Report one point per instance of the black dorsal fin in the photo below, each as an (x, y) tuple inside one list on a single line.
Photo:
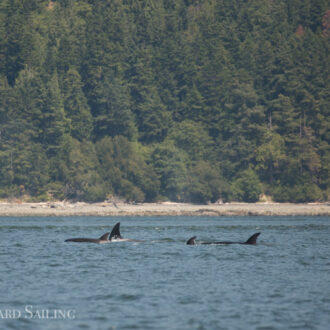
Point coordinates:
[(252, 239), (115, 232), (104, 237), (191, 241)]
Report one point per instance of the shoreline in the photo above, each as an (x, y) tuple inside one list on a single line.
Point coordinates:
[(162, 209)]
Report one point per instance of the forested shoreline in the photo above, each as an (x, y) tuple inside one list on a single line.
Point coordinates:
[(181, 100)]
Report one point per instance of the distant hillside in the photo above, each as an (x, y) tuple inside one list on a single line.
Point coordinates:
[(185, 100)]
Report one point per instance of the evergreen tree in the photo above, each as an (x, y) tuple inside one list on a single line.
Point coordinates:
[(76, 107), (178, 99), (204, 184), (82, 181), (112, 110), (124, 170), (247, 187), (169, 164), (270, 156), (54, 123), (193, 139), (15, 37)]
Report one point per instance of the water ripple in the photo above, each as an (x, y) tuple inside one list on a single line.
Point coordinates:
[(281, 283)]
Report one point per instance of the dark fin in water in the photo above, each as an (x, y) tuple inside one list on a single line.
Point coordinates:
[(191, 241), (252, 239), (104, 237), (115, 232)]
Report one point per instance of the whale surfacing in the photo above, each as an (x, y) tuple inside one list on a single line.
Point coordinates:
[(115, 235), (251, 241), (103, 239)]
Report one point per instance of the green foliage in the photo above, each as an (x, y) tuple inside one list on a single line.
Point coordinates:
[(300, 193), (76, 107), (15, 37), (204, 184), (192, 138), (170, 165), (180, 100), (153, 118), (246, 187), (111, 110), (54, 124), (82, 180), (270, 155), (125, 171)]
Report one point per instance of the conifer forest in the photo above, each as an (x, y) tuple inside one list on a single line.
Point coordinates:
[(154, 100)]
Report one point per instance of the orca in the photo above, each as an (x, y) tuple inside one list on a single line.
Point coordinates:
[(103, 239), (251, 241), (115, 235)]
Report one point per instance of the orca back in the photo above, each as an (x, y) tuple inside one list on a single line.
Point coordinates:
[(83, 240)]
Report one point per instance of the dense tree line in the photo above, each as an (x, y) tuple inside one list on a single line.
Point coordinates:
[(186, 100)]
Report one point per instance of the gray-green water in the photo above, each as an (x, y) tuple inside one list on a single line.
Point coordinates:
[(281, 283)]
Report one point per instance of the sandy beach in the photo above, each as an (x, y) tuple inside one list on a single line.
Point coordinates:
[(161, 209)]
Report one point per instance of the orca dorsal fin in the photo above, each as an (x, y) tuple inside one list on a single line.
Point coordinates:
[(252, 239), (191, 241), (104, 237), (115, 232)]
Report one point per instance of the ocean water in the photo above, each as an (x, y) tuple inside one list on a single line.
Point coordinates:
[(283, 282)]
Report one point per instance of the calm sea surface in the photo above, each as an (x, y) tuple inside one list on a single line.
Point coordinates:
[(281, 283)]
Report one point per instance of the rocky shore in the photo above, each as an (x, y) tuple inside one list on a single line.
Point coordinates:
[(162, 209)]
